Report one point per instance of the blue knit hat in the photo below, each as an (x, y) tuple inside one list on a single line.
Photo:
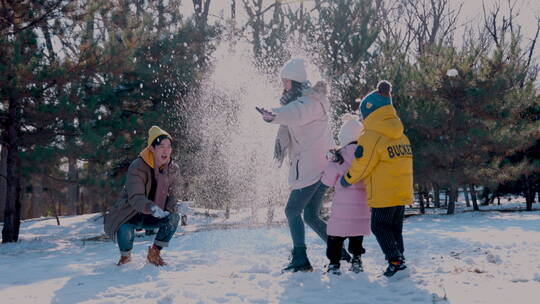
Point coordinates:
[(372, 102), (376, 99)]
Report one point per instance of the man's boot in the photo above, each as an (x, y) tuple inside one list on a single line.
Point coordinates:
[(124, 259), (154, 257)]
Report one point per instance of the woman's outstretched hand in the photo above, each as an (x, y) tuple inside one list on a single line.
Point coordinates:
[(266, 115)]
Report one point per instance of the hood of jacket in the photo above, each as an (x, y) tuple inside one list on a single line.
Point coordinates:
[(384, 120), (318, 92)]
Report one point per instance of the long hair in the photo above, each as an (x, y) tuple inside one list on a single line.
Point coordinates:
[(292, 94)]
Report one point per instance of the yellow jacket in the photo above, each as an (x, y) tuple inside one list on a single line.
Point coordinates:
[(383, 160)]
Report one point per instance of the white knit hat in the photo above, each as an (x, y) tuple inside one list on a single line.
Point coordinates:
[(294, 69), (350, 130)]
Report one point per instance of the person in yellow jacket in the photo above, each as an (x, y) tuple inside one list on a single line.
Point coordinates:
[(384, 161)]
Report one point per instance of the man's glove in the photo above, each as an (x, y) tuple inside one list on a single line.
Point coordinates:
[(158, 212)]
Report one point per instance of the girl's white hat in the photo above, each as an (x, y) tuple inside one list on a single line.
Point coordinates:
[(294, 69), (350, 129)]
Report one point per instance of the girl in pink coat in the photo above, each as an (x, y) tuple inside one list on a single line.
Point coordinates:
[(350, 213)]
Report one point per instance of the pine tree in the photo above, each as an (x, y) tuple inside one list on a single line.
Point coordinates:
[(468, 123), (344, 34)]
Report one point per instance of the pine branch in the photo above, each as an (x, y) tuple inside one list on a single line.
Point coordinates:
[(60, 180), (49, 12)]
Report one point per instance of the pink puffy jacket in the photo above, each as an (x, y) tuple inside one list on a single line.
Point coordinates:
[(350, 213)]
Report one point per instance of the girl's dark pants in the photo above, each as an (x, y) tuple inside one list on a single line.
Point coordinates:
[(335, 245)]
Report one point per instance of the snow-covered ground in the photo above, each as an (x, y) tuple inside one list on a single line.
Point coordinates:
[(473, 257)]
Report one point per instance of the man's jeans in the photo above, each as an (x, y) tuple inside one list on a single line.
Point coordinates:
[(167, 227)]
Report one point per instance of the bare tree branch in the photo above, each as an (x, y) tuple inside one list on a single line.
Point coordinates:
[(253, 15), (533, 43), (490, 23)]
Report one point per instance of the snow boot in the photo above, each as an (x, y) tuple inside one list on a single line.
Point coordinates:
[(356, 264), (345, 256), (299, 261), (154, 257), (124, 259), (394, 267), (333, 269)]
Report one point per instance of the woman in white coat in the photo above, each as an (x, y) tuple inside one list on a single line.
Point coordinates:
[(304, 135)]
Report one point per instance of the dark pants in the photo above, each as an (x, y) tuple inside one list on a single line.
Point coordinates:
[(166, 229), (387, 226), (307, 200), (335, 245)]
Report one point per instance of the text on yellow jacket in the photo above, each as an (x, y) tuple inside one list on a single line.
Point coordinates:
[(383, 160)]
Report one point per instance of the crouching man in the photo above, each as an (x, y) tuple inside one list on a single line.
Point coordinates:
[(148, 199)]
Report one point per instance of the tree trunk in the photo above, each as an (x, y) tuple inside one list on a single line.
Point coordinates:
[(258, 25), (90, 189), (227, 211), (12, 212), (529, 193), (161, 18), (492, 199), (466, 195), (436, 196), (27, 198), (421, 191), (3, 182), (53, 206), (37, 198), (421, 201), (270, 212), (202, 8), (48, 42), (485, 196), (452, 198), (253, 215), (233, 11), (82, 200), (473, 198), (73, 187)]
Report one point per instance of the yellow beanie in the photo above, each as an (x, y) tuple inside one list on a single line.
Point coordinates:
[(155, 132)]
